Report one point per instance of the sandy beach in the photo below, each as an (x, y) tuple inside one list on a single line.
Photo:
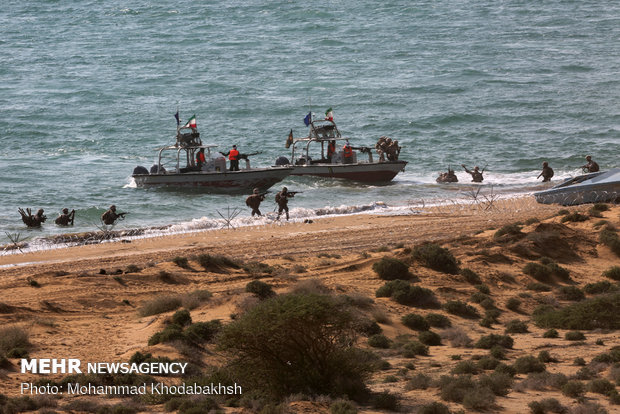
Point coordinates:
[(82, 302)]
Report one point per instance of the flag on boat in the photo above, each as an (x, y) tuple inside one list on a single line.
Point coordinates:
[(191, 123), (289, 140), (308, 119), (329, 114), (176, 116)]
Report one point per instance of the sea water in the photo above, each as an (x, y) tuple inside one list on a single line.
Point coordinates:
[(88, 91)]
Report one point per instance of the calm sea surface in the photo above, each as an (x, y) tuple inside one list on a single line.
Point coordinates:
[(88, 90)]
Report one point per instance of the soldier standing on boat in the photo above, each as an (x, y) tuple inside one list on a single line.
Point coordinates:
[(110, 216), (282, 201), (547, 172), (254, 201), (380, 147), (200, 158), (347, 153), (66, 218), (331, 150), (393, 150), (476, 174), (233, 157), (30, 220), (591, 166)]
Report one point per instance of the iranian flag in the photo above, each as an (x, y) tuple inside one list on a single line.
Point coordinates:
[(329, 114), (191, 123)]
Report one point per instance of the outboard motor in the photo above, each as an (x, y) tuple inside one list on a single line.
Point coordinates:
[(282, 161), (140, 170), (157, 170)]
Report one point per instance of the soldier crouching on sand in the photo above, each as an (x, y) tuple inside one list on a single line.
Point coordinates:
[(30, 220), (254, 201), (547, 172), (66, 218)]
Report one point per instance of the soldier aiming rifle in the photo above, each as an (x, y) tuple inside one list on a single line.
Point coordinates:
[(66, 218), (282, 200), (110, 216), (254, 201)]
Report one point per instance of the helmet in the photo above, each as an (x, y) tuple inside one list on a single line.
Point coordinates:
[(40, 211), (234, 146), (65, 210), (588, 157), (255, 191), (284, 189), (112, 207)]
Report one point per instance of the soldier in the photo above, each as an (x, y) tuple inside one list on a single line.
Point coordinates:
[(591, 166), (379, 147), (282, 201), (547, 172), (233, 157), (30, 220), (347, 153), (110, 216), (476, 174), (448, 177), (200, 158), (66, 218), (393, 150), (254, 201)]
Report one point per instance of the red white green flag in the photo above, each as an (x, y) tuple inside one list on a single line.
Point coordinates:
[(191, 123), (329, 114)]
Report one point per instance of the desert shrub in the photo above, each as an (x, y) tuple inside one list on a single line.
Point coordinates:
[(258, 268), (499, 383), (369, 327), (465, 367), (216, 263), (342, 407), (588, 408), (506, 369), (13, 337), (612, 273), (434, 408), (574, 336), (167, 277), (413, 348), (386, 401), (551, 333), (161, 304), (609, 237), (509, 229), (471, 276), (603, 286), (532, 220), (261, 289), (528, 363), (429, 338), (498, 352), (203, 331), (416, 296), (419, 382), (601, 386), (482, 288), (570, 293), (614, 397), (563, 212), (132, 268), (169, 334), (598, 312), (574, 217), (181, 317), (488, 363), (273, 348), (196, 298), (545, 357), (415, 322), (438, 320), (538, 271), (457, 337), (436, 257), (479, 297), (516, 326), (574, 389), (489, 341), (454, 388), (479, 399), (538, 287), (456, 307), (546, 405), (379, 341), (388, 289), (513, 304), (181, 262), (388, 268)]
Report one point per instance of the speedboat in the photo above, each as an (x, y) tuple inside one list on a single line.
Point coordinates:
[(598, 187), (358, 166), (176, 167)]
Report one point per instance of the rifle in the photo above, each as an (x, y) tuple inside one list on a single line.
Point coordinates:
[(292, 193), (72, 215), (122, 215)]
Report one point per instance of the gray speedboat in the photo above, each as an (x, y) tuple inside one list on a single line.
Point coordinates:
[(598, 187)]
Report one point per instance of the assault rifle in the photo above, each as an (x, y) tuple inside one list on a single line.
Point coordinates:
[(292, 193)]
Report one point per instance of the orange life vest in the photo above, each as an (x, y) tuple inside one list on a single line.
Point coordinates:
[(233, 154), (200, 157), (348, 151), (331, 148)]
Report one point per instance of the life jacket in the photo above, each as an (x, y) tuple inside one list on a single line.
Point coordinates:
[(347, 151), (233, 155), (331, 148), (200, 157)]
